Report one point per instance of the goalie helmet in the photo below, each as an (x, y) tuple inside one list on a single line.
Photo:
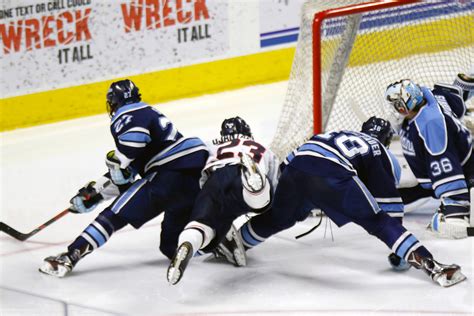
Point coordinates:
[(233, 126), (121, 93), (378, 128), (404, 96)]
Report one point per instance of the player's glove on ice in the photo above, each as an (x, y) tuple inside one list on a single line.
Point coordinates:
[(86, 199)]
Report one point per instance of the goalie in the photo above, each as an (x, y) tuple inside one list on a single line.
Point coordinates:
[(438, 147)]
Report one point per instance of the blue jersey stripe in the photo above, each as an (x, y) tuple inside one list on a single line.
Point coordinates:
[(136, 137), (326, 153), (450, 186), (391, 207)]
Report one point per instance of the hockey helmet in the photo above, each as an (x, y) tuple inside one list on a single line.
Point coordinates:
[(404, 96), (233, 126), (378, 128), (121, 93)]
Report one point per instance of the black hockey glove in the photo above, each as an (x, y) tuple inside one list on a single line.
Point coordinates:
[(86, 199)]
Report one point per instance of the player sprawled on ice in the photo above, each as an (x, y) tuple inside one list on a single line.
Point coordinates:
[(169, 166), (239, 178), (438, 147), (351, 177)]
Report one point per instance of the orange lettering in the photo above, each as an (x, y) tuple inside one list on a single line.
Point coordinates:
[(200, 9), (47, 30), (152, 14), (32, 27), (133, 17), (12, 37), (167, 20), (82, 26), (183, 17), (63, 37)]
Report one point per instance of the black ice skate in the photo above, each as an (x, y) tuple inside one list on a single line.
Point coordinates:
[(232, 248), (443, 274), (58, 266), (179, 262)]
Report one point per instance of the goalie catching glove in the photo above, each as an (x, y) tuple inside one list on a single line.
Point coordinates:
[(118, 175), (86, 200)]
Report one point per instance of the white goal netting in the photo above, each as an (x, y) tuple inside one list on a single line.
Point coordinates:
[(361, 54)]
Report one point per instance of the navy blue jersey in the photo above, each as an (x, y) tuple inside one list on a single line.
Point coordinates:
[(146, 139), (437, 146), (340, 153)]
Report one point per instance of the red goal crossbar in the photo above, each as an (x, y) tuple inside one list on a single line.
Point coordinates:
[(317, 23)]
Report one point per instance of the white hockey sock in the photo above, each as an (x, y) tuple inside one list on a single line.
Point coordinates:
[(197, 234)]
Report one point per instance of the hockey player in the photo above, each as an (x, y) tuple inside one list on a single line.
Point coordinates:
[(351, 177), (438, 147), (238, 178), (169, 166)]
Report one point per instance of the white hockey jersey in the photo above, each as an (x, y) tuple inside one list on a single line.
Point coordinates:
[(224, 152)]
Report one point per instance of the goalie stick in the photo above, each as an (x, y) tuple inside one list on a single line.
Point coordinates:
[(470, 230), (22, 236)]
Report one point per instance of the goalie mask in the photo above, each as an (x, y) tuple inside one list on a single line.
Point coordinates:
[(378, 128), (234, 126), (121, 93), (404, 96)]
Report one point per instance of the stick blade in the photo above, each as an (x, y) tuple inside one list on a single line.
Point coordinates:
[(13, 232)]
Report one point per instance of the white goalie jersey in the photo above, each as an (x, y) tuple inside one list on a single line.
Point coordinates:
[(223, 152)]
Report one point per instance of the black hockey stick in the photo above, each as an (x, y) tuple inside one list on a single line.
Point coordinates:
[(21, 236)]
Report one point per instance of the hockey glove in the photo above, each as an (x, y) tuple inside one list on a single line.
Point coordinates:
[(466, 82), (118, 175), (86, 199), (397, 263)]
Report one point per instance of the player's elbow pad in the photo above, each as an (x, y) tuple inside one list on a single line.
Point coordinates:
[(259, 201)]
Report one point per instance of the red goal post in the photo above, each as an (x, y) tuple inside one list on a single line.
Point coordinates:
[(348, 51)]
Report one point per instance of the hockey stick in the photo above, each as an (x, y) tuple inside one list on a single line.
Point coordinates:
[(470, 230), (21, 236)]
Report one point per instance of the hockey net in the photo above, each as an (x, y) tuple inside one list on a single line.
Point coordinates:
[(360, 49)]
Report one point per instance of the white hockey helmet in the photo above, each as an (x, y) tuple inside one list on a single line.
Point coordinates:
[(404, 96)]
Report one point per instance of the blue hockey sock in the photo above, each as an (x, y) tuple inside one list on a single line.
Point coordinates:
[(98, 232)]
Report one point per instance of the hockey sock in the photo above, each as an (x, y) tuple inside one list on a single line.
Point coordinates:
[(249, 238), (197, 234), (98, 232)]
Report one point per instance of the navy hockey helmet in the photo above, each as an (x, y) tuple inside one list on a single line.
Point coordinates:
[(121, 93), (378, 128), (235, 125)]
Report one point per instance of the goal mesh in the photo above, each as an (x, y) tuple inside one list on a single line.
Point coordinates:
[(361, 53)]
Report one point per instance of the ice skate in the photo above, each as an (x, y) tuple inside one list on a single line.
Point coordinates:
[(253, 178), (232, 249), (443, 274), (179, 262), (58, 266)]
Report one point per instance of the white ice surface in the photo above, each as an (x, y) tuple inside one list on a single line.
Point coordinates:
[(42, 167)]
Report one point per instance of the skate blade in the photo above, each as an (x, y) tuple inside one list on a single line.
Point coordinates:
[(456, 278), (174, 271), (48, 269)]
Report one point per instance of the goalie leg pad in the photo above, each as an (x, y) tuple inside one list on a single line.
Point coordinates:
[(445, 227)]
